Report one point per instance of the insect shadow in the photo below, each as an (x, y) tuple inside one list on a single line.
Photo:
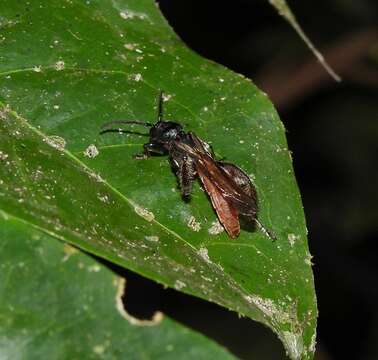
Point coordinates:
[(229, 188)]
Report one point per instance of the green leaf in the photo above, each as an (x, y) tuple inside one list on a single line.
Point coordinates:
[(69, 67), (57, 303)]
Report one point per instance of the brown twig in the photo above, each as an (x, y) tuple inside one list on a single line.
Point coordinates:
[(287, 84)]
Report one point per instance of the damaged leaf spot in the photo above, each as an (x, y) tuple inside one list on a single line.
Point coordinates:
[(99, 349), (129, 46), (94, 268), (128, 14), (292, 239), (103, 197), (270, 309), (59, 65), (179, 284), (216, 228), (4, 111), (3, 156), (156, 318), (166, 97), (194, 224), (152, 238), (204, 254), (144, 213), (56, 142), (137, 77), (91, 151)]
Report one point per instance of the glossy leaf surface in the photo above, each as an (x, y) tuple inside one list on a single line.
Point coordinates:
[(69, 67)]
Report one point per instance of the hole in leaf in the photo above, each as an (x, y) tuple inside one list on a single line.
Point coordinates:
[(241, 336)]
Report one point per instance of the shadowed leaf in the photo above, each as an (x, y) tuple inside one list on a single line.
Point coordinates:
[(69, 68), (57, 303)]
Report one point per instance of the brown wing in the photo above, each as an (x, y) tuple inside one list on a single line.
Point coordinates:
[(228, 198), (227, 214), (247, 204), (223, 176)]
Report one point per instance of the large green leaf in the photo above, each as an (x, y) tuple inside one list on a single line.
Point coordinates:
[(67, 68), (56, 303)]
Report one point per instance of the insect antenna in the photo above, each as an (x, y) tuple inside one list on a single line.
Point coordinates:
[(265, 231), (108, 125), (160, 106)]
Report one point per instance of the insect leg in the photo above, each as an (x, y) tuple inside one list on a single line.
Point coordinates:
[(186, 175), (265, 231), (148, 150)]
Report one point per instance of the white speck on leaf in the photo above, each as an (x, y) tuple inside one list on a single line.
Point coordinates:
[(94, 268), (4, 112), (179, 285), (137, 77), (204, 254), (268, 307), (313, 343), (104, 198), (56, 142), (99, 349), (128, 14), (144, 213), (95, 176), (91, 151), (129, 46), (292, 239), (166, 97), (3, 156), (152, 238), (59, 65), (308, 260), (216, 228), (37, 68), (194, 224)]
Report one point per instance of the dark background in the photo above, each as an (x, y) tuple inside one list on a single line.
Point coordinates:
[(332, 130)]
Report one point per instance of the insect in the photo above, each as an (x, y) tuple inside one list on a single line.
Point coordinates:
[(229, 188)]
